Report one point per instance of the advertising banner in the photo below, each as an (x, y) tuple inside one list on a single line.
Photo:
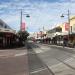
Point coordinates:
[(23, 26), (67, 27)]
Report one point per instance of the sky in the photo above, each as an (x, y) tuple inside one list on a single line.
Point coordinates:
[(43, 13)]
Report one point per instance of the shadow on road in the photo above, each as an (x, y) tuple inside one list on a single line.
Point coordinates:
[(36, 66)]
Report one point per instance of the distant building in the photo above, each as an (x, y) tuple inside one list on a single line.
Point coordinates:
[(55, 35)]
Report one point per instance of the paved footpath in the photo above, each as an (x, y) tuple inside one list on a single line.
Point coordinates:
[(13, 52), (14, 62)]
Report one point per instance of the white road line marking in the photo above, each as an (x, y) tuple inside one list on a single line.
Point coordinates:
[(20, 54), (41, 50), (56, 65), (38, 70)]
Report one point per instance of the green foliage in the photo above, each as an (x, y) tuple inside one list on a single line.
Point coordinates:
[(23, 35)]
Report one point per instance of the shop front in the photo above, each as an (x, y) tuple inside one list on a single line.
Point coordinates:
[(7, 39)]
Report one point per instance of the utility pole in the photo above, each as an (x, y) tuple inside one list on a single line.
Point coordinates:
[(68, 15), (21, 20), (43, 28), (69, 21), (27, 15)]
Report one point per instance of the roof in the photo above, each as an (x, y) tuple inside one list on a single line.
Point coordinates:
[(4, 25), (72, 18), (5, 28)]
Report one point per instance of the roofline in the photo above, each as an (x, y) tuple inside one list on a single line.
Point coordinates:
[(72, 18)]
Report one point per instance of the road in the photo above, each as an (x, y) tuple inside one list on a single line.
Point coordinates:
[(36, 66), (38, 59), (51, 60), (13, 62)]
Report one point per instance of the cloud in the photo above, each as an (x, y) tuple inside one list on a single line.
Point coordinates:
[(42, 13)]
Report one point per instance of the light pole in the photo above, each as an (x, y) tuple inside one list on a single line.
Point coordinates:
[(27, 15), (68, 14), (21, 20)]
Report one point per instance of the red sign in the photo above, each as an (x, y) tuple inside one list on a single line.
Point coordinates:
[(23, 27), (67, 26)]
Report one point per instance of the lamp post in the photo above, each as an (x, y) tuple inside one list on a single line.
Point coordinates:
[(21, 20), (27, 15), (68, 14)]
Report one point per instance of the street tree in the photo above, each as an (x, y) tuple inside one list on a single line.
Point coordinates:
[(23, 36)]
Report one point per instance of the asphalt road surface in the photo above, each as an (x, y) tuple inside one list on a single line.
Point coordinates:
[(51, 60), (38, 59), (36, 66)]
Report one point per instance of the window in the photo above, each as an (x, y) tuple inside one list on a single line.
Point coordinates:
[(1, 24)]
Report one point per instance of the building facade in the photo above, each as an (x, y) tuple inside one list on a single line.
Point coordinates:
[(7, 35)]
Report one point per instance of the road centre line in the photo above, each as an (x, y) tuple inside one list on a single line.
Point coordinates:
[(41, 69), (20, 54)]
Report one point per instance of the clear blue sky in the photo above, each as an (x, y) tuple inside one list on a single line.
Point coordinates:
[(42, 13)]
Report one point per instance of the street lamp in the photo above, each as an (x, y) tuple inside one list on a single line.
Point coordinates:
[(62, 15), (27, 15), (68, 14)]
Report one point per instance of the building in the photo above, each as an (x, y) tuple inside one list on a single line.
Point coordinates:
[(72, 25), (63, 31), (72, 31), (7, 35), (54, 35)]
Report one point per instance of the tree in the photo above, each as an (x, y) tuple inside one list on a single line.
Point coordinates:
[(23, 35)]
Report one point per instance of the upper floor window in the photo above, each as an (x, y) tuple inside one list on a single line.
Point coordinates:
[(58, 29), (1, 24), (5, 26)]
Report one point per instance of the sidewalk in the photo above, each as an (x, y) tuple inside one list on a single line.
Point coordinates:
[(16, 60), (5, 52), (12, 53), (67, 49), (17, 54), (60, 46)]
